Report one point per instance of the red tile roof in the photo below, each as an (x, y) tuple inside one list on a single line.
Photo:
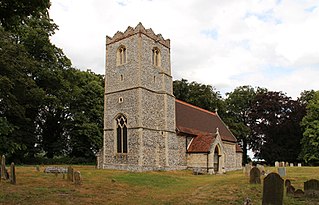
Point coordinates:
[(193, 120), (201, 143)]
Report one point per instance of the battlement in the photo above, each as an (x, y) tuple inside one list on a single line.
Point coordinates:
[(130, 31)]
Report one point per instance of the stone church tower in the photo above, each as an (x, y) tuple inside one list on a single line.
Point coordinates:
[(139, 109)]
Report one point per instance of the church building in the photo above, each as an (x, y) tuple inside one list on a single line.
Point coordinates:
[(145, 127)]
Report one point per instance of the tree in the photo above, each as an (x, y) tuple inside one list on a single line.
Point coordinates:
[(204, 96), (276, 132), (15, 12), (310, 140), (238, 105)]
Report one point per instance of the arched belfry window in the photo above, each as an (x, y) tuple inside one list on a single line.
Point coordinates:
[(121, 55), (156, 57), (121, 134)]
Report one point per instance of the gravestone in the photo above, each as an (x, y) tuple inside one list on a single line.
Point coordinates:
[(299, 193), (282, 171), (70, 176), (254, 177), (311, 187), (12, 174), (273, 190), (37, 168), (262, 169), (290, 190), (77, 178), (276, 164), (4, 171), (281, 164), (299, 164), (247, 168), (291, 164), (287, 182), (55, 170)]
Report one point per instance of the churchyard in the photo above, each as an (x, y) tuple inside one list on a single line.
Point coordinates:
[(34, 186)]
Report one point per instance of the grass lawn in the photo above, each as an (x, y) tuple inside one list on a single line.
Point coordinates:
[(121, 187)]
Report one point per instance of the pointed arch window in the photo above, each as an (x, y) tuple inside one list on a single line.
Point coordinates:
[(121, 134), (121, 55), (156, 57)]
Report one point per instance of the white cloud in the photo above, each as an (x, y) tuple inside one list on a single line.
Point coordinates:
[(272, 44)]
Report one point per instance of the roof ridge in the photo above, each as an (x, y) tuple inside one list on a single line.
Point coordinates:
[(196, 107)]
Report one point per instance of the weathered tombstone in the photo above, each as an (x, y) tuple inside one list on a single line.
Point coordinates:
[(282, 171), (299, 193), (37, 168), (12, 174), (273, 190), (290, 190), (281, 164), (77, 178), (70, 176), (291, 164), (287, 182), (254, 177), (311, 187), (299, 164), (276, 164), (4, 171), (3, 167), (247, 169), (262, 169), (287, 164)]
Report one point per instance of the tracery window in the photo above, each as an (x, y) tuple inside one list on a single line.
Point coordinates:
[(156, 57), (121, 134), (121, 55)]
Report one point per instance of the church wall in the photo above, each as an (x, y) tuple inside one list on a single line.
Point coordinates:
[(197, 160), (239, 158), (230, 159)]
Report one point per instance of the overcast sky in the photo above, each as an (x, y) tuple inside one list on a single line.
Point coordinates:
[(271, 44)]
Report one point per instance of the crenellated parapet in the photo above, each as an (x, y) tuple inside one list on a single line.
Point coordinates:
[(139, 29)]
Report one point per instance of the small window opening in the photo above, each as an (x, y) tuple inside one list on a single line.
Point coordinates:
[(156, 58)]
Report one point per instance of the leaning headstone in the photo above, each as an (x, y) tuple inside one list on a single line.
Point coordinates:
[(299, 164), (299, 193), (12, 174), (77, 178), (254, 177), (282, 171), (276, 164), (311, 187), (273, 190), (70, 176)]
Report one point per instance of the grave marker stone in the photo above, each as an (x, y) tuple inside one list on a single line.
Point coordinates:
[(12, 174), (291, 164), (254, 177), (311, 187), (299, 193), (273, 190), (77, 178), (282, 171), (276, 164), (299, 164), (4, 171), (70, 176)]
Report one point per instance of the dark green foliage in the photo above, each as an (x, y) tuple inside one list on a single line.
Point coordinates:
[(310, 123), (276, 132), (204, 96), (239, 103), (47, 108)]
